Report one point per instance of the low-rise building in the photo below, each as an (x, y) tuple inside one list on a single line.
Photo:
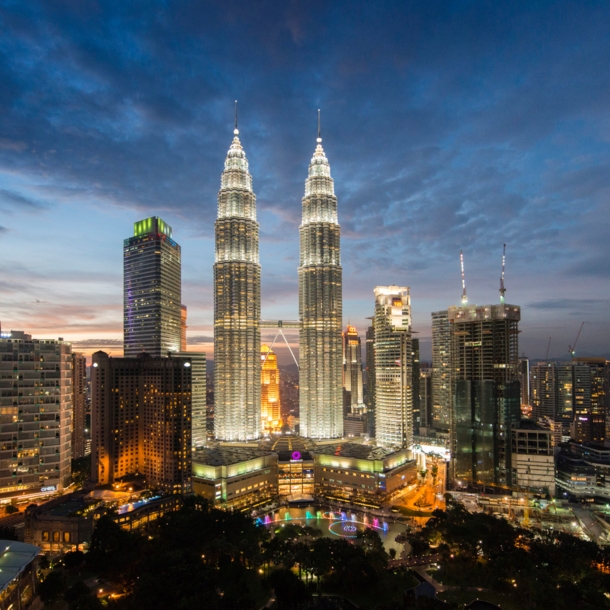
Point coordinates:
[(533, 461), (17, 574), (583, 471), (235, 476), (361, 474)]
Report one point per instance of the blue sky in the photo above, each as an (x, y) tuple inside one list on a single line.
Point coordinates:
[(448, 126)]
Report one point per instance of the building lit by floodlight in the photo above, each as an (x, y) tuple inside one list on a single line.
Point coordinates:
[(270, 390)]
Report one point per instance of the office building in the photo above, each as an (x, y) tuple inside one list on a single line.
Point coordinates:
[(370, 380), (352, 370), (270, 391), (320, 305), (590, 396), (237, 304), (441, 371), (199, 388), (393, 367), (151, 290), (141, 420), (35, 415), (583, 472), (79, 404), (486, 393), (183, 327)]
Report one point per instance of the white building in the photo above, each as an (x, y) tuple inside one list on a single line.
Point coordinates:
[(393, 367)]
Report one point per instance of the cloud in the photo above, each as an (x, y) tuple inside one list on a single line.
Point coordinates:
[(199, 339)]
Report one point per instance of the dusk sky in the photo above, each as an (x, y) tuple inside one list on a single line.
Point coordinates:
[(448, 126)]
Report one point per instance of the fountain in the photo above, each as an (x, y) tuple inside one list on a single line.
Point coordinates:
[(267, 520), (318, 514), (308, 516), (287, 516), (376, 522)]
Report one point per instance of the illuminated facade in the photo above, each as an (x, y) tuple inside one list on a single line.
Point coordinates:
[(486, 391), (352, 367), (270, 390), (151, 290), (183, 327), (393, 367), (79, 403), (235, 477), (441, 370), (320, 305), (237, 304), (141, 420), (35, 415), (198, 398)]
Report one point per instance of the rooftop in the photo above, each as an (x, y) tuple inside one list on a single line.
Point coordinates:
[(14, 558), (226, 455), (354, 450)]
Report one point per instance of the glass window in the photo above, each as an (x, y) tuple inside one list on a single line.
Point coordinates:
[(66, 536)]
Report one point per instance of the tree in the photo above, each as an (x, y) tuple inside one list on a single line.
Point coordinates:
[(290, 591), (52, 587)]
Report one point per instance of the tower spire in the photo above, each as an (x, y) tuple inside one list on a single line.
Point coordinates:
[(236, 131), (319, 132), (464, 297)]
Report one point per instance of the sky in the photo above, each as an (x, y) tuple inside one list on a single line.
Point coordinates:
[(449, 125)]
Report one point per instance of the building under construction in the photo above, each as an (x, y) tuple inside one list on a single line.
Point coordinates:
[(486, 391)]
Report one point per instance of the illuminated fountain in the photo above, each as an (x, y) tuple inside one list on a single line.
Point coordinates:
[(287, 516)]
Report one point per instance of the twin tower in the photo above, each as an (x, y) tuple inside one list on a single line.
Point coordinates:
[(237, 305)]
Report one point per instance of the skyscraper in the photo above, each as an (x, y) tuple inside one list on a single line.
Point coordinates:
[(441, 371), (544, 391), (320, 305), (417, 415), (352, 368), (393, 367), (35, 414), (270, 390), (486, 392), (183, 327), (141, 420), (79, 400), (370, 378), (237, 304), (151, 290), (198, 396)]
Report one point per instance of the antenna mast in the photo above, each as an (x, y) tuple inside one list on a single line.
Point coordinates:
[(502, 289), (464, 297)]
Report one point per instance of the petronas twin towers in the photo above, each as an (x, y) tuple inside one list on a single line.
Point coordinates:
[(237, 304)]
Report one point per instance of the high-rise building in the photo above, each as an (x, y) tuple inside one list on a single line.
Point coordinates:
[(79, 404), (183, 328), (141, 420), (320, 305), (590, 381), (270, 390), (425, 398), (543, 391), (151, 290), (441, 371), (486, 393), (198, 399), (415, 373), (370, 379), (393, 367), (352, 368), (524, 381), (237, 304), (35, 414)]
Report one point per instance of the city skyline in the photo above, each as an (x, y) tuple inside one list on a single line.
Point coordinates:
[(418, 178)]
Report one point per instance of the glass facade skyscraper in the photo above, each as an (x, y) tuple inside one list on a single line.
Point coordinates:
[(237, 304), (152, 287), (320, 305)]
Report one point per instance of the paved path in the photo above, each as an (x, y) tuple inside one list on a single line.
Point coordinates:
[(438, 587)]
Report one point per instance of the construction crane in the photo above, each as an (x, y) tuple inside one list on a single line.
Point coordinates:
[(573, 349), (548, 347), (502, 289), (464, 297)]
